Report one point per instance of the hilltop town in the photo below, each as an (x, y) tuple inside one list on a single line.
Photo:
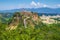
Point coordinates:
[(30, 26), (30, 18)]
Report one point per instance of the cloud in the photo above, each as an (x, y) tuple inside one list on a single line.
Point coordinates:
[(38, 4), (33, 3), (58, 5), (45, 5)]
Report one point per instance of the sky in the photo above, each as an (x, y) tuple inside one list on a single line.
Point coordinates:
[(16, 4)]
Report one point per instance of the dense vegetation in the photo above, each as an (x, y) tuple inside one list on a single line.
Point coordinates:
[(39, 32)]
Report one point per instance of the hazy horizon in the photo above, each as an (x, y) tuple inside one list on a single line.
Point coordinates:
[(16, 4)]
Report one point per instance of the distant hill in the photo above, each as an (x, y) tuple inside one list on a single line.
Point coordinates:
[(45, 10), (38, 10)]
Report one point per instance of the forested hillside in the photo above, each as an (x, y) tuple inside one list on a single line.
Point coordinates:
[(27, 26)]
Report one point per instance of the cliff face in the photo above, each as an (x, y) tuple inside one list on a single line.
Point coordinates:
[(25, 18)]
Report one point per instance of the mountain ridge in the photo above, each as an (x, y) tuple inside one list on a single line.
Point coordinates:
[(38, 10)]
